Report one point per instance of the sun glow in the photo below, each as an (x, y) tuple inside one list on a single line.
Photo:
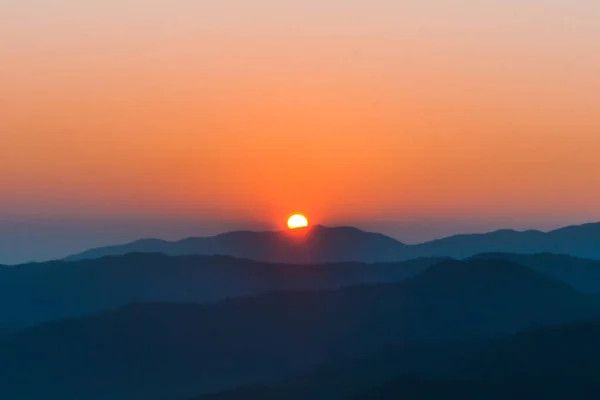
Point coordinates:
[(297, 221)]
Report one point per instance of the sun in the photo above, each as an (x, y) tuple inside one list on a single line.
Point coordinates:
[(297, 221)]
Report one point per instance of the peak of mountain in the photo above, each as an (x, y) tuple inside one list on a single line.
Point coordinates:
[(593, 227), (581, 241), (319, 244), (580, 273), (500, 270), (468, 290)]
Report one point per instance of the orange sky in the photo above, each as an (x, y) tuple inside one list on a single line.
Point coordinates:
[(345, 110)]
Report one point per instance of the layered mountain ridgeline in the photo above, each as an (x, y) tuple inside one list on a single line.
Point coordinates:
[(582, 274), (8, 328), (555, 362), (581, 241), (343, 379), (320, 244), (560, 362), (416, 388), (156, 351), (312, 245), (33, 293)]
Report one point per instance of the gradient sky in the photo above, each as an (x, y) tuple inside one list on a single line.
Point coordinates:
[(239, 112)]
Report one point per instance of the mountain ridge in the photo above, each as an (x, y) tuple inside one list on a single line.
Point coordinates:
[(549, 362), (321, 244), (155, 349), (37, 292)]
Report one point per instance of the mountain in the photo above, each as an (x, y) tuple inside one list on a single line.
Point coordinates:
[(511, 387), (320, 244), (554, 362), (33, 293), (343, 379), (156, 350), (7, 329), (580, 273), (582, 241), (559, 362), (307, 246)]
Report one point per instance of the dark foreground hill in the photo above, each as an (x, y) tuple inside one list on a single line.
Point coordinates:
[(416, 388), (152, 351), (561, 362), (557, 362), (320, 244), (33, 293)]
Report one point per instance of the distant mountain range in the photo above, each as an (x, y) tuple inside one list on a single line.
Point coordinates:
[(580, 273), (320, 245), (158, 320), (158, 350), (303, 246), (33, 293)]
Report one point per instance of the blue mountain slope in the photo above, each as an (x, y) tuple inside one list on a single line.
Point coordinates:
[(320, 244)]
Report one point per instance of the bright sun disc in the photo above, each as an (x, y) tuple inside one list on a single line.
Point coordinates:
[(297, 221)]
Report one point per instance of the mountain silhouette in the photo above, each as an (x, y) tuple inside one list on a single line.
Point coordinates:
[(582, 274), (156, 350), (33, 293), (582, 241), (410, 387), (320, 244), (309, 245), (558, 362), (552, 362)]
